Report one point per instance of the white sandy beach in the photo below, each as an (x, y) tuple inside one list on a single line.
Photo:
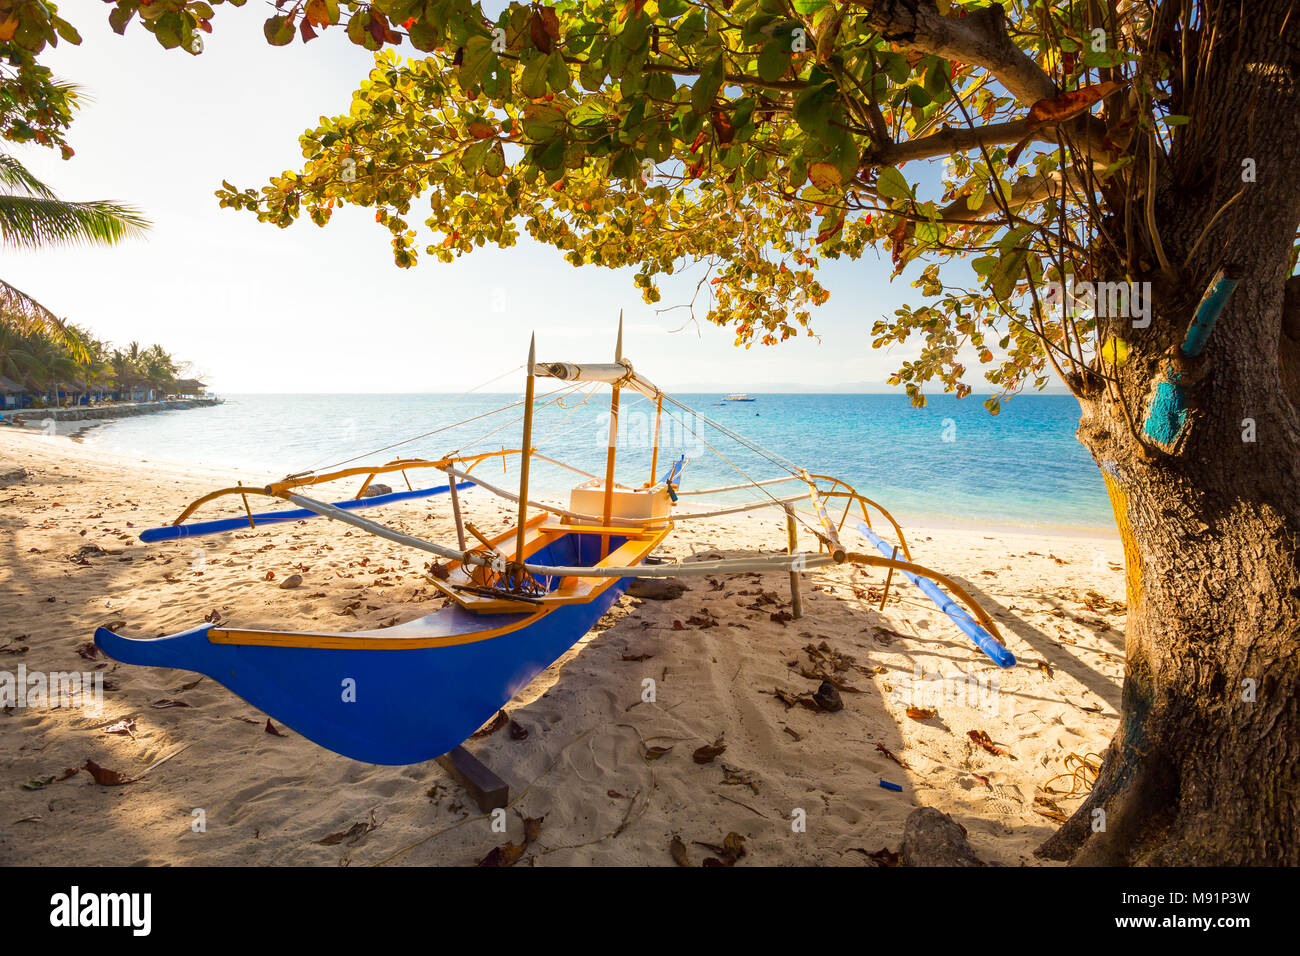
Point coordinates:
[(70, 561)]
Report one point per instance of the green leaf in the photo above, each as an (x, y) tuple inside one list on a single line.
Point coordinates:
[(533, 81), (814, 106), (557, 72), (474, 62), (118, 18), (635, 34), (67, 30), (895, 65), (541, 121), (424, 35), (551, 156), (592, 74), (936, 79), (691, 28), (892, 184), (472, 158), (705, 90), (494, 163), (774, 59)]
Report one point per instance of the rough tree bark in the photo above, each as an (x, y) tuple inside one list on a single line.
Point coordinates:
[(1199, 772)]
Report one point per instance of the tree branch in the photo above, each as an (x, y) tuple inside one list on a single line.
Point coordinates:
[(980, 37), (954, 139)]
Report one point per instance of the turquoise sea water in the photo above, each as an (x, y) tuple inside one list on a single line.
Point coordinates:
[(950, 462)]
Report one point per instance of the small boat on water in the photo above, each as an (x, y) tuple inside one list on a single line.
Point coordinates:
[(737, 397), (516, 600)]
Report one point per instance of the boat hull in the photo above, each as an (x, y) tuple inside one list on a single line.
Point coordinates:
[(384, 704)]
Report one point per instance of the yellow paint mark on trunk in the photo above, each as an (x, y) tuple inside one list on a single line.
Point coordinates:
[(1132, 556)]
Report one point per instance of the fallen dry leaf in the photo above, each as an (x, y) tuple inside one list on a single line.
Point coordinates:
[(509, 853), (731, 850), (678, 850), (982, 739), (352, 834), (103, 776), (1048, 808), (126, 727), (709, 752), (882, 857)]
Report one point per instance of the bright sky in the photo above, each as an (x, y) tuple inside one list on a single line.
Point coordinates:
[(259, 309)]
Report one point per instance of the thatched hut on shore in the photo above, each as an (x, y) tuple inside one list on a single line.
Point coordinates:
[(12, 394), (189, 388)]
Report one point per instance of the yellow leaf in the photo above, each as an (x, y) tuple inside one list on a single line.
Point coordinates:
[(824, 175)]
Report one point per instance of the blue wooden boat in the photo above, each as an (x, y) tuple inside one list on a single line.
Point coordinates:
[(412, 692), (515, 602)]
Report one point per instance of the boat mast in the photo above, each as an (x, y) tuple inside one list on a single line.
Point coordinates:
[(654, 451), (613, 441), (526, 454)]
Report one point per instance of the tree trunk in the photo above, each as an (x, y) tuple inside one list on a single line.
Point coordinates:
[(1205, 766)]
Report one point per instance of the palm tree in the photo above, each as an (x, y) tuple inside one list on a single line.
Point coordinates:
[(17, 360), (32, 216), (55, 365), (159, 367)]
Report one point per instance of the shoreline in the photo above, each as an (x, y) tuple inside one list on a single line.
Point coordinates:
[(717, 654), (559, 495), (83, 418)]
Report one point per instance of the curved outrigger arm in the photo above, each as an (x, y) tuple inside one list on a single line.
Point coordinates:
[(282, 489), (982, 629), (848, 492)]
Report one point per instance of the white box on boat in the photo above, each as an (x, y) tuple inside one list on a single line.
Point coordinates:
[(630, 505)]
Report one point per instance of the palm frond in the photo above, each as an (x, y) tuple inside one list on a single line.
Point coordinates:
[(19, 307), (14, 175), (27, 221), (30, 318)]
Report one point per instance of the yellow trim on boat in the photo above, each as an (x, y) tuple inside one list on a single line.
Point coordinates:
[(573, 590), (322, 641)]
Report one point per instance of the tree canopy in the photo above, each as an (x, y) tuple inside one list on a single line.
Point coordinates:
[(759, 138), (753, 138)]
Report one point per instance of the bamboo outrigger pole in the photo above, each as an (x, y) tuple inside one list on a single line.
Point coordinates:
[(525, 456), (608, 510)]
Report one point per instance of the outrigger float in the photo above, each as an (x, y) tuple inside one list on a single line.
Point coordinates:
[(518, 600)]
